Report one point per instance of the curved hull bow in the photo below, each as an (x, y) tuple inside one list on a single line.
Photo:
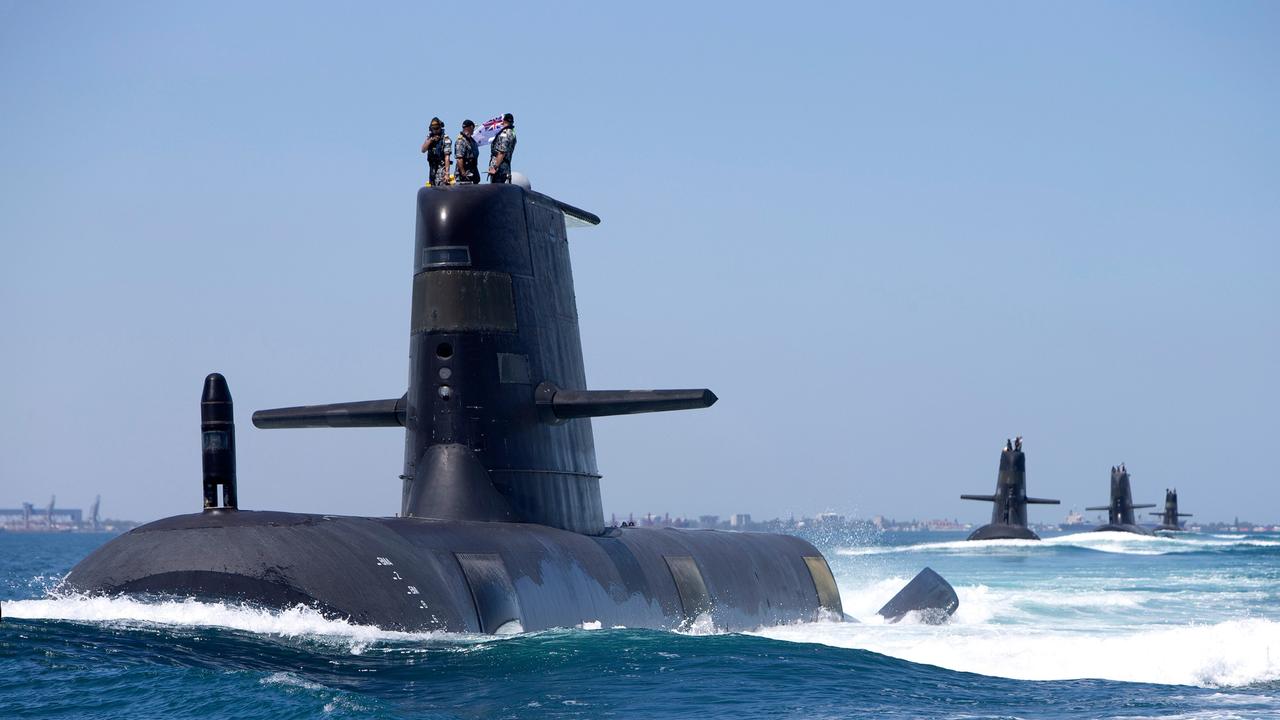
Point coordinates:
[(1003, 532), (1135, 529)]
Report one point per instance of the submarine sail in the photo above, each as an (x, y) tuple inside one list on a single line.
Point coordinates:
[(1120, 517), (1009, 503), (1169, 521)]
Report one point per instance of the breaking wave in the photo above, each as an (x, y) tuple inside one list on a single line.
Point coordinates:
[(1108, 542)]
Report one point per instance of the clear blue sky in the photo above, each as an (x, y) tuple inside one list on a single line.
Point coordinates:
[(887, 235)]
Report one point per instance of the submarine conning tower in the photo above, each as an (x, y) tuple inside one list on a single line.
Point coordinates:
[(1120, 514), (1169, 518), (497, 415), (1120, 511), (493, 317), (1009, 502)]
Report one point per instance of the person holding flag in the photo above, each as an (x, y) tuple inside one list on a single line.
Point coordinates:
[(488, 130), (501, 150)]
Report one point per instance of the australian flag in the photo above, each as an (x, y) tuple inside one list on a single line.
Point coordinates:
[(487, 130)]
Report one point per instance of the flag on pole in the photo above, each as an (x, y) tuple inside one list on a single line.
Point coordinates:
[(486, 131)]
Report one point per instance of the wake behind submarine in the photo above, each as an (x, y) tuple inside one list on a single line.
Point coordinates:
[(501, 527), (1009, 503), (1120, 512)]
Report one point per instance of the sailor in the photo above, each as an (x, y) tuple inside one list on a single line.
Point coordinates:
[(467, 155), (438, 148), (501, 150), (1017, 444), (1008, 445)]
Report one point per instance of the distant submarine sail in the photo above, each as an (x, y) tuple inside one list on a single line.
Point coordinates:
[(1120, 516), (1169, 521), (1009, 503), (501, 527)]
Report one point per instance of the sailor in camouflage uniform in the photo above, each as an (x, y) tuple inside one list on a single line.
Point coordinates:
[(438, 148), (501, 150), (467, 154)]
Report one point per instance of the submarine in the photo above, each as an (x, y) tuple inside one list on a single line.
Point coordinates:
[(1169, 521), (1120, 512), (1009, 503), (501, 527)]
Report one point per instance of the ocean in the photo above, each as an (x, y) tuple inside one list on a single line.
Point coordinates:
[(1088, 625)]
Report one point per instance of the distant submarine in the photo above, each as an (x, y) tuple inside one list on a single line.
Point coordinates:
[(1009, 503), (1120, 511), (501, 527), (1169, 521)]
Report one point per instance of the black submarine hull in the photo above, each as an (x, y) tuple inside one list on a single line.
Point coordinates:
[(1003, 532), (417, 574)]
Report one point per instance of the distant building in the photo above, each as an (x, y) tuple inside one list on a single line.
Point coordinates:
[(740, 520), (52, 518)]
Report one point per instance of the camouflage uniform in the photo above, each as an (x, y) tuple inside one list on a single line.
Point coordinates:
[(504, 143), (468, 153), (438, 161)]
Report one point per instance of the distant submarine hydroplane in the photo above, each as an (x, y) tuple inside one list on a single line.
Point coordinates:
[(501, 527)]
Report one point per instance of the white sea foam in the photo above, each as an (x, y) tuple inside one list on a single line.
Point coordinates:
[(289, 679), (1108, 541), (1057, 631), (332, 700), (701, 625), (296, 622), (1227, 654), (1012, 608)]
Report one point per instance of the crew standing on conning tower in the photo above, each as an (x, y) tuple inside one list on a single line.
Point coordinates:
[(501, 150), (438, 148), (467, 154)]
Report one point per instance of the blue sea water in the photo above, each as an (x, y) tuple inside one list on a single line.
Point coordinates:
[(1077, 626)]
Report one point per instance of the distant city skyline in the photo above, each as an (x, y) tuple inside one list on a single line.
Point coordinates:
[(887, 236), (121, 518)]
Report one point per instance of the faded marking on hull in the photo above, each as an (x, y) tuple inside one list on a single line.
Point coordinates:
[(824, 582)]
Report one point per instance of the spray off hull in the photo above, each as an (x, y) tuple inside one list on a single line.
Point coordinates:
[(418, 575)]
